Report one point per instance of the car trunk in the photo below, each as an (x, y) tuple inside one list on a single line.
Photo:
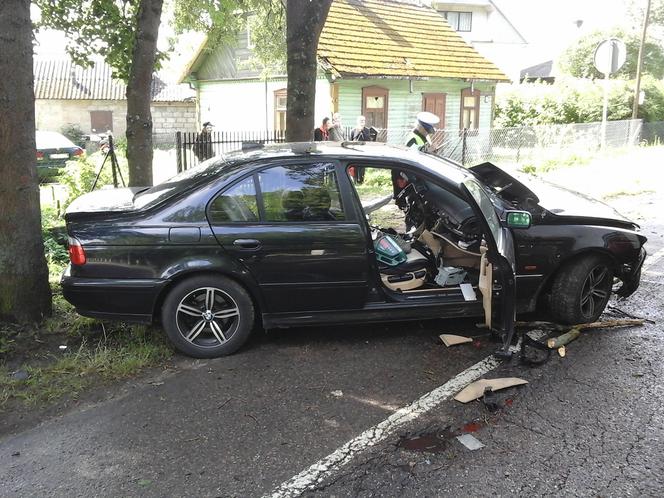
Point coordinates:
[(102, 201)]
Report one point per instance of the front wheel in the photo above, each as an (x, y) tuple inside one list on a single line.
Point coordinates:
[(581, 290), (208, 316)]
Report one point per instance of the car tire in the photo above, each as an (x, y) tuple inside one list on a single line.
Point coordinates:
[(208, 316), (581, 290)]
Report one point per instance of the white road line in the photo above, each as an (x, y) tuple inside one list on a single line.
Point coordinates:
[(652, 259), (342, 456)]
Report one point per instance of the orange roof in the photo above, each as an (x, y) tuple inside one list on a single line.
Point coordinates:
[(388, 38)]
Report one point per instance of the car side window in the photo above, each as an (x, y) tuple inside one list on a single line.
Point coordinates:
[(301, 192), (236, 205)]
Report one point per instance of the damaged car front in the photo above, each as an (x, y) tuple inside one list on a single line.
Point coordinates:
[(577, 249)]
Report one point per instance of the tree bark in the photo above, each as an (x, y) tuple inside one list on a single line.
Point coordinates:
[(25, 295), (139, 117), (304, 22)]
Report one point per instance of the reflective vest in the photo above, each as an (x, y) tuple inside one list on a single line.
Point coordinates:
[(415, 141)]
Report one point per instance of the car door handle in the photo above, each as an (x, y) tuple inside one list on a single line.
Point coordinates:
[(247, 243)]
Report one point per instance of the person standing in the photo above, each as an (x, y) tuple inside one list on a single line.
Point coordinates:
[(203, 144), (336, 129), (322, 134), (360, 134), (425, 124), (418, 139)]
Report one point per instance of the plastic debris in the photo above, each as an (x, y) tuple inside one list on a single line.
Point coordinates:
[(453, 340), (338, 393), (468, 292), (62, 347), (470, 442)]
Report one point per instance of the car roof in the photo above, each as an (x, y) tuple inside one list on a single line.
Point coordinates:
[(52, 140), (354, 151)]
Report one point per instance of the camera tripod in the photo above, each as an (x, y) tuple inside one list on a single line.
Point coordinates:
[(115, 167)]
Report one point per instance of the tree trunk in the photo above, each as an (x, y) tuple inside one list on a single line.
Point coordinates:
[(304, 23), (139, 117), (25, 295)]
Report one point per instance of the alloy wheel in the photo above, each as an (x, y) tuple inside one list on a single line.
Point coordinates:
[(595, 290), (207, 317)]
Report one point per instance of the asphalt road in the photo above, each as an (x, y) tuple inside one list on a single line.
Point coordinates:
[(589, 424)]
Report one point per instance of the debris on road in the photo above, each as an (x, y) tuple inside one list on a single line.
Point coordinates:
[(453, 340), (470, 442), (477, 389), (338, 393), (562, 340), (432, 442)]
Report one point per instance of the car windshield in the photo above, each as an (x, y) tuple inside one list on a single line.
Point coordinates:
[(182, 182)]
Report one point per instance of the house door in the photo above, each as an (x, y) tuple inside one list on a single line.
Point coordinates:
[(375, 105), (435, 104)]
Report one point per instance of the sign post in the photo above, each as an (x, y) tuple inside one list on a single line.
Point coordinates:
[(609, 57)]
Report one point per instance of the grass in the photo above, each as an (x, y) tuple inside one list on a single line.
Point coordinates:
[(92, 362), (96, 353)]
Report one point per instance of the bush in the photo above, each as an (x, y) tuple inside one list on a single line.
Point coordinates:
[(572, 100), (74, 133), (55, 237), (79, 176)]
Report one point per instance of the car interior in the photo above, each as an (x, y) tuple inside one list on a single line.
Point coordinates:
[(426, 239)]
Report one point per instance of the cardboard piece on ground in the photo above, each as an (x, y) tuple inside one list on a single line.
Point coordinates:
[(468, 292), (453, 340), (476, 389), (470, 442)]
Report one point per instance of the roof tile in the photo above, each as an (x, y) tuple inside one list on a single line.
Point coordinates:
[(395, 39)]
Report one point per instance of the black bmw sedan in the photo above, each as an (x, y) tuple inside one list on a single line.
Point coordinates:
[(284, 235)]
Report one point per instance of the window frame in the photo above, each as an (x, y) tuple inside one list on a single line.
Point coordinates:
[(347, 204), (458, 22), (282, 92), (376, 91), (468, 92)]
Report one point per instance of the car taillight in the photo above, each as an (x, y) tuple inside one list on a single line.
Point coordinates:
[(76, 252), (40, 155), (78, 152)]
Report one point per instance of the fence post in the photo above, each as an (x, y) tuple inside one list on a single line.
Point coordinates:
[(178, 150), (464, 132)]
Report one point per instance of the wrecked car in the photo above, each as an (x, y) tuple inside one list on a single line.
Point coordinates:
[(282, 236)]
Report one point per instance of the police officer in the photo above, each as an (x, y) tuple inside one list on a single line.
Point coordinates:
[(417, 139), (424, 126)]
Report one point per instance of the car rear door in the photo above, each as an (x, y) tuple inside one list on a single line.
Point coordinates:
[(293, 229), (499, 254)]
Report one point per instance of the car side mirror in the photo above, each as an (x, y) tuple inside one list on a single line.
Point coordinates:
[(518, 219)]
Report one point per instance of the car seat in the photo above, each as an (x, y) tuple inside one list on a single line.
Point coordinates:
[(292, 203), (317, 203), (407, 272)]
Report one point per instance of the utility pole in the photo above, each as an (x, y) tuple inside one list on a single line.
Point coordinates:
[(639, 64)]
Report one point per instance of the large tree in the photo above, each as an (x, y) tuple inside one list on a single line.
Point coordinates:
[(125, 33), (578, 58), (25, 295), (293, 38)]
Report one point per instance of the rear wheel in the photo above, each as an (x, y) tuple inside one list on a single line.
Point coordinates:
[(208, 316), (581, 290)]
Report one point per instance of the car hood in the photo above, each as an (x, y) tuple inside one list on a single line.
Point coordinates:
[(555, 200), (103, 201)]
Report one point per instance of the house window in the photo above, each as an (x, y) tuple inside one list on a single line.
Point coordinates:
[(459, 21), (470, 109), (375, 105), (101, 121), (280, 98)]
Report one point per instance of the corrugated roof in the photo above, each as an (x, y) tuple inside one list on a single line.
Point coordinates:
[(387, 38), (64, 80)]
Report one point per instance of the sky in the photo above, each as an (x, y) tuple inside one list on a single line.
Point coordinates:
[(548, 25)]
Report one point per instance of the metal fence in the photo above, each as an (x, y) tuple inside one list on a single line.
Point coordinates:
[(522, 145), (193, 148), (528, 143)]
